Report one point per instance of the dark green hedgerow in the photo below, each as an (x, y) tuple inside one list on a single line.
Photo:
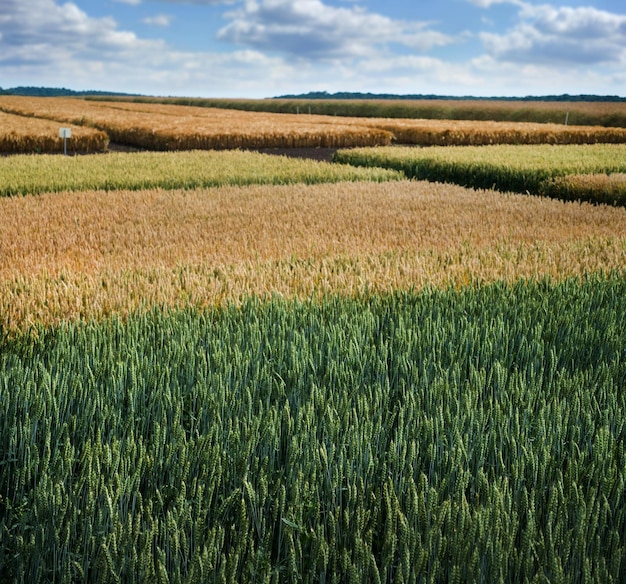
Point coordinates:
[(475, 436)]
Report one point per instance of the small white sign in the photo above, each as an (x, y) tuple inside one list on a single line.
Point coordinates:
[(65, 132)]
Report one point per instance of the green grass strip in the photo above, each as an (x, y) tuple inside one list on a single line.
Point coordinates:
[(23, 175), (521, 169), (472, 436)]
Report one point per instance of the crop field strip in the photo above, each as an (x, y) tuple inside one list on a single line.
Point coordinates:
[(90, 254), (609, 188), (608, 114), (160, 127), (173, 127), (447, 436), (27, 175), (552, 171), (406, 131), (481, 133), (20, 134)]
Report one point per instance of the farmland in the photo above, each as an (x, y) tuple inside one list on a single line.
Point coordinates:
[(578, 113), (21, 135), (157, 126), (27, 175), (445, 435), (93, 253), (541, 170), (234, 367)]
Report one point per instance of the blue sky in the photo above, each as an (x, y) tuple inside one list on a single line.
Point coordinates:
[(264, 48)]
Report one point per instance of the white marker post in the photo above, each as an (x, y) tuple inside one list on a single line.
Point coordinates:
[(65, 133)]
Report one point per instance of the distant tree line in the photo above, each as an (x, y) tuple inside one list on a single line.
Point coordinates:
[(55, 92), (421, 96), (63, 92)]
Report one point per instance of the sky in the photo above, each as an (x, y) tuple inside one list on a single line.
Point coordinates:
[(266, 48)]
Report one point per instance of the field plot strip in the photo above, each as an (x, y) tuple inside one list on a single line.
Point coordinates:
[(26, 175), (75, 255), (484, 133), (22, 134), (553, 171), (582, 113), (344, 439), (158, 126)]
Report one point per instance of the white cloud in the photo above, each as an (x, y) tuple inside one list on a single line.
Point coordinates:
[(560, 36), (519, 79), (43, 32), (314, 30), (56, 44)]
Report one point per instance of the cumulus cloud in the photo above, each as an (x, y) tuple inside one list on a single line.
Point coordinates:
[(43, 32), (552, 35), (314, 30), (46, 43), (295, 46)]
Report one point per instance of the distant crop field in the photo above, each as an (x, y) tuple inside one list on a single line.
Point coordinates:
[(158, 126), (484, 133), (20, 134), (608, 114), (163, 127), (541, 169)]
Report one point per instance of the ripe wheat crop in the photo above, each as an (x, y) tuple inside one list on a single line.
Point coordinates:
[(602, 188), (445, 436), (67, 256), (607, 114), (158, 126), (480, 133), (20, 134), (425, 132), (524, 169)]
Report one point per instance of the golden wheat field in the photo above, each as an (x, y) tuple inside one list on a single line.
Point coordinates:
[(403, 130), (168, 127), (159, 126), (588, 113), (588, 107), (477, 133), (89, 254), (27, 134)]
